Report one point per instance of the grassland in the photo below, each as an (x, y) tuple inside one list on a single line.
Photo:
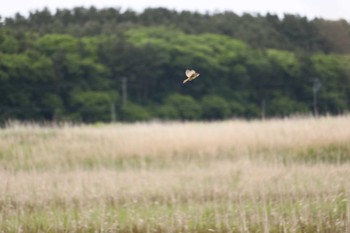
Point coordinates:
[(281, 175)]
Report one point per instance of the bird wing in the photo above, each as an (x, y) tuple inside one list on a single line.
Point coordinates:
[(189, 73), (195, 76)]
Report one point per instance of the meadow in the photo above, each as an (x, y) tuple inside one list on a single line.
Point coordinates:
[(277, 175)]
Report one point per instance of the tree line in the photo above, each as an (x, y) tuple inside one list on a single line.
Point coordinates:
[(90, 65)]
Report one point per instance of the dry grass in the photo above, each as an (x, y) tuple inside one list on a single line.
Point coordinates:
[(282, 175)]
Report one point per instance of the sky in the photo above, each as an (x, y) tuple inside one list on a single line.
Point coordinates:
[(327, 9)]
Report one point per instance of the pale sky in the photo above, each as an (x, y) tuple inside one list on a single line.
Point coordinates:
[(328, 9)]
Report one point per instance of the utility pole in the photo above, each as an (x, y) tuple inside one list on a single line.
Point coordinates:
[(316, 85), (124, 92), (113, 115), (263, 109)]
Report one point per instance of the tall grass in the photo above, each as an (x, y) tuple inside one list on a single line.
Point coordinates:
[(281, 175)]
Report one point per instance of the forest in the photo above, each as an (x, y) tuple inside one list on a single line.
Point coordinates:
[(101, 65)]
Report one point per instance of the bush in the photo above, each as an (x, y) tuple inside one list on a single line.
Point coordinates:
[(284, 106), (91, 106), (134, 112), (237, 109), (167, 112), (186, 107), (215, 107), (252, 111)]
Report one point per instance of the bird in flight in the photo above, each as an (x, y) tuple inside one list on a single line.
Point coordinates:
[(190, 74)]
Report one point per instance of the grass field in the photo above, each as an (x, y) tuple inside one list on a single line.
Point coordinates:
[(280, 175)]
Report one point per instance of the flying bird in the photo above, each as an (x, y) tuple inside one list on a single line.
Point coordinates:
[(191, 74)]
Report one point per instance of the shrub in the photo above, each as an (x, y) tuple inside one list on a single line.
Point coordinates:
[(215, 107), (167, 112), (187, 108), (91, 106), (134, 112)]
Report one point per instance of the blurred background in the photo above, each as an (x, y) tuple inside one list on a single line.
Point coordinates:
[(104, 61)]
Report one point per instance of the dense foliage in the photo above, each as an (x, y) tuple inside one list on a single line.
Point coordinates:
[(94, 65)]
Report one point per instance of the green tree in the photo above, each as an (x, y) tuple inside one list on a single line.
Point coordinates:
[(8, 43), (56, 65), (332, 74)]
